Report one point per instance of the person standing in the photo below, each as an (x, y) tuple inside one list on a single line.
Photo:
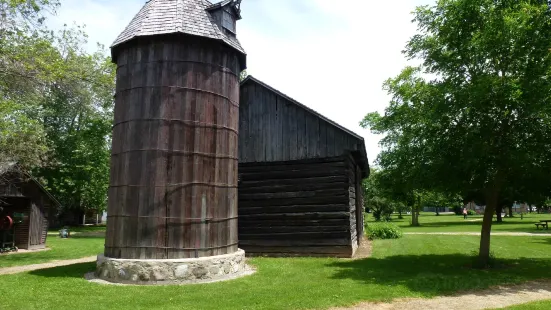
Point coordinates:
[(464, 213)]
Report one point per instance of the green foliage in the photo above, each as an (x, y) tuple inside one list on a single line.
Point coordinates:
[(381, 208), (243, 75), (471, 212), (400, 208), (379, 198), (383, 231), (27, 61), (458, 210), (22, 137), (474, 118), (78, 120), (56, 104)]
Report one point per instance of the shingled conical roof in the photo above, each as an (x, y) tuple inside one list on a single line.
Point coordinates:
[(176, 16)]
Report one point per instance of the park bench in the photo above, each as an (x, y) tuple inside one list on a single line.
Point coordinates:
[(542, 225)]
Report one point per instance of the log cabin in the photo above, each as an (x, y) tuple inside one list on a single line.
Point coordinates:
[(300, 178), (21, 194)]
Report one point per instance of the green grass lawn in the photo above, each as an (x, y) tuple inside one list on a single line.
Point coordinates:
[(539, 305), (455, 223), (415, 266), (81, 229), (60, 249)]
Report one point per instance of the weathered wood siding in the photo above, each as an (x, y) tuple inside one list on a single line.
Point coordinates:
[(359, 200), (38, 225), (355, 192), (12, 187), (272, 128), (22, 231), (295, 208), (173, 187), (24, 195), (299, 178)]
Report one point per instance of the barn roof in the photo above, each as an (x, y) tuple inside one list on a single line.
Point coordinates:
[(176, 16), (13, 167), (361, 157)]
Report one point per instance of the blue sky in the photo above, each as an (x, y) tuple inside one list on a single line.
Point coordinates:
[(330, 55)]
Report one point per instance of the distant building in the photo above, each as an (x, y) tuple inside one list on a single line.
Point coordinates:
[(22, 197)]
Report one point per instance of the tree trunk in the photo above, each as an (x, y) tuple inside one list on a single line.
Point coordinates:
[(415, 212), (510, 211), (491, 205), (499, 209), (414, 218)]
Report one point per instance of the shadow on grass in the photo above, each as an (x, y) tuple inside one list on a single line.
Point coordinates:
[(525, 225), (433, 275), (69, 271), (88, 236), (543, 241)]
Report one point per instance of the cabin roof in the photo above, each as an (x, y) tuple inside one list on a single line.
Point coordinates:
[(13, 167), (362, 158), (176, 16)]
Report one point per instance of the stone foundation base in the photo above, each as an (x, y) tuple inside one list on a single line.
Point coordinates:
[(172, 271)]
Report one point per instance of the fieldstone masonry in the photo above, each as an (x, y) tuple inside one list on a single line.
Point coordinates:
[(189, 270)]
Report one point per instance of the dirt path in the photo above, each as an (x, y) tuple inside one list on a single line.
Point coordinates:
[(498, 297), (57, 263), (521, 234)]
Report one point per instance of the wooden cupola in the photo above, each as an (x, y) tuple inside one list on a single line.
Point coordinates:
[(226, 14)]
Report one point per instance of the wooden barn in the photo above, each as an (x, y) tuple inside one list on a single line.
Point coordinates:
[(299, 178), (20, 194)]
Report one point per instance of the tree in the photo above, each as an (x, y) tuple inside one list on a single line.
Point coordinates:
[(77, 119), (243, 75), (56, 104), (27, 62), (474, 117), (401, 207), (382, 197), (439, 200)]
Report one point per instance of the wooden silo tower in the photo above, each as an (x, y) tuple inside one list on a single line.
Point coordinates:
[(173, 187)]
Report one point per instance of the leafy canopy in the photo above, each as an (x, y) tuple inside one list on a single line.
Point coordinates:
[(474, 117), (55, 104)]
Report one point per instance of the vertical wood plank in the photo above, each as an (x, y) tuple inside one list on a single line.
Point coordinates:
[(176, 126)]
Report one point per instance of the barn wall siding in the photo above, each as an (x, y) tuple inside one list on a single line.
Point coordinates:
[(22, 231), (359, 199), (295, 208), (351, 175), (272, 128), (300, 178), (25, 195)]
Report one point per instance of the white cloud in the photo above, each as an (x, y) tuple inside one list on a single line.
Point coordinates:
[(339, 69), (104, 19), (332, 56)]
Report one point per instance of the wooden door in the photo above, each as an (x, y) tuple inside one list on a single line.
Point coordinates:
[(36, 225)]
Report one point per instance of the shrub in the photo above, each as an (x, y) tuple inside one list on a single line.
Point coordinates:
[(471, 212), (383, 231), (382, 209), (458, 210)]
